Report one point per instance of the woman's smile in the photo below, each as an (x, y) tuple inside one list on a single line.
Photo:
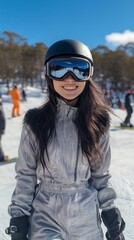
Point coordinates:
[(69, 88)]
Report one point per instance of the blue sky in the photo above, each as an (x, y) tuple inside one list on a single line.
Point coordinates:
[(93, 22)]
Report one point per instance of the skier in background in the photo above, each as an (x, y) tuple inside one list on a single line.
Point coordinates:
[(129, 110), (2, 128), (16, 97), (24, 96)]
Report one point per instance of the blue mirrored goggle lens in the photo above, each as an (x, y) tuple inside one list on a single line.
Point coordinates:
[(58, 68)]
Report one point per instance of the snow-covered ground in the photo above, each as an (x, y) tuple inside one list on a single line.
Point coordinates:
[(122, 166)]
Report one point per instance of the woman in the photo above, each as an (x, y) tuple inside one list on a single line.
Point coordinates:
[(64, 157)]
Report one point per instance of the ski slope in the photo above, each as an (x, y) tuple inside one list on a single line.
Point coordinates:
[(122, 166)]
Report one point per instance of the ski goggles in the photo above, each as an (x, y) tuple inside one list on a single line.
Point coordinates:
[(59, 68)]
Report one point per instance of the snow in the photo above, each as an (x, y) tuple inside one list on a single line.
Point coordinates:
[(122, 166)]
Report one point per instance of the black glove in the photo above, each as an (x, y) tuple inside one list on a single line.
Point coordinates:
[(18, 228), (120, 237), (114, 223)]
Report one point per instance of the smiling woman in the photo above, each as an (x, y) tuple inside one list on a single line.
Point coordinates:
[(64, 157)]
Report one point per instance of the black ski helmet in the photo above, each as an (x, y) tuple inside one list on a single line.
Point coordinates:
[(69, 47)]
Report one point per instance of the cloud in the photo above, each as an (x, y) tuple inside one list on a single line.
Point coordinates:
[(120, 38)]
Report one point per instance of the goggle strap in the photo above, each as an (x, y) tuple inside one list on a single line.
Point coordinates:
[(92, 70)]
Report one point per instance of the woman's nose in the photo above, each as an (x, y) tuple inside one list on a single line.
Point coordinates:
[(69, 78)]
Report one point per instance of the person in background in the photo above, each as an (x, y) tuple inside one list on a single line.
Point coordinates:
[(16, 97), (24, 96), (2, 129), (129, 110), (0, 98), (64, 157), (118, 102)]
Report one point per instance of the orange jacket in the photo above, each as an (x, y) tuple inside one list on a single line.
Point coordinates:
[(15, 95)]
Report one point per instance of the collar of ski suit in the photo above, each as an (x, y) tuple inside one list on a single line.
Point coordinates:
[(65, 111)]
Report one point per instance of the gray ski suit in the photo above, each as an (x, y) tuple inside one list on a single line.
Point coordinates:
[(60, 201)]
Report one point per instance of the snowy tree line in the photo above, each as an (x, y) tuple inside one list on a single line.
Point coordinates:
[(23, 63), (115, 67), (19, 61)]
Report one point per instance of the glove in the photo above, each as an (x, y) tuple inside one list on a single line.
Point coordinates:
[(114, 223), (120, 237), (18, 228)]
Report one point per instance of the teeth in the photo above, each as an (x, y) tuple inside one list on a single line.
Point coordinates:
[(70, 88)]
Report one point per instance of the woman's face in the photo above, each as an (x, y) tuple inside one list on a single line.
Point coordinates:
[(69, 88)]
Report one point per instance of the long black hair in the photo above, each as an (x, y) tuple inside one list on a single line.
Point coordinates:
[(92, 121)]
